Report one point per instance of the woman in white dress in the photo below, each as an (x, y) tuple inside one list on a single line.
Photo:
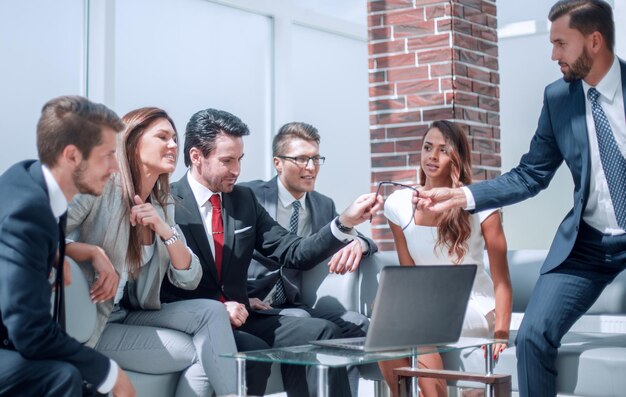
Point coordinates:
[(456, 237)]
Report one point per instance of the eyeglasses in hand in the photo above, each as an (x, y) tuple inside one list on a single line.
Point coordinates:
[(390, 183), (303, 161)]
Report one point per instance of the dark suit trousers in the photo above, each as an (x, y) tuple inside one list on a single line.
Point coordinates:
[(282, 331), (22, 377), (560, 298)]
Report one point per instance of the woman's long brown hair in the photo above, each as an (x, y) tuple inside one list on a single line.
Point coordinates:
[(137, 122), (453, 226)]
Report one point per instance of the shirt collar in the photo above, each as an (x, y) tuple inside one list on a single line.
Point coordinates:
[(287, 198), (200, 192), (607, 87), (58, 202)]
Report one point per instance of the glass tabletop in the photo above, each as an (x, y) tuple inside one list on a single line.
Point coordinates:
[(338, 357)]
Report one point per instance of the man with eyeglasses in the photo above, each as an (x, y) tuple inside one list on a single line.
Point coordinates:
[(290, 198)]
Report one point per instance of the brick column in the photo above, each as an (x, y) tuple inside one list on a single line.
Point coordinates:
[(430, 60)]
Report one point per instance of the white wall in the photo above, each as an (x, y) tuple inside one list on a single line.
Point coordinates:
[(267, 61), (41, 57)]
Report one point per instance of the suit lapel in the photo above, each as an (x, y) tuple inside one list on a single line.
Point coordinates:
[(188, 217), (578, 123), (229, 232), (270, 196), (312, 203), (622, 65)]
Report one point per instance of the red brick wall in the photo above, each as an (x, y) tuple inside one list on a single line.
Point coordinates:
[(430, 60)]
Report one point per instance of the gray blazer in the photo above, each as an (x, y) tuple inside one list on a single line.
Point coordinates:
[(103, 221), (264, 272)]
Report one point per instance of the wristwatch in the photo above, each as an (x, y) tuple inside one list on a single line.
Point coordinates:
[(172, 239), (342, 228)]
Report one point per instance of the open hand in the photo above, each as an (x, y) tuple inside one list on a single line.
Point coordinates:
[(346, 259), (496, 349), (107, 279), (258, 304)]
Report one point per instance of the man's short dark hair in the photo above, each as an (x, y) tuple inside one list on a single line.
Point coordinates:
[(293, 130), (72, 120), (587, 16), (203, 127)]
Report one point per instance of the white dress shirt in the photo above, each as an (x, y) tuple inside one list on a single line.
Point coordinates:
[(202, 195), (58, 204), (284, 210), (599, 212)]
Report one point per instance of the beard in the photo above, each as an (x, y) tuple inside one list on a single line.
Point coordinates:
[(81, 181), (580, 68)]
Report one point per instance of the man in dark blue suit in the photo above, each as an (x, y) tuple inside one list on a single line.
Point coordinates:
[(583, 123), (76, 146)]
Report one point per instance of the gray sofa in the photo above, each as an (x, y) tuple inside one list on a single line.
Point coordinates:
[(591, 361)]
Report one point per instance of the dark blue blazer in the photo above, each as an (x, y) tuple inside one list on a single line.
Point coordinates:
[(561, 135), (29, 240), (264, 272)]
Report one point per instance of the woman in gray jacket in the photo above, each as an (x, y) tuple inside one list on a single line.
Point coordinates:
[(129, 231)]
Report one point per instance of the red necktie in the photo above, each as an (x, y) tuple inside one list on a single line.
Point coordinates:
[(217, 224)]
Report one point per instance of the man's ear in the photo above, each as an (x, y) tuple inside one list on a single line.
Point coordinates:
[(278, 165), (70, 156), (194, 155), (596, 42)]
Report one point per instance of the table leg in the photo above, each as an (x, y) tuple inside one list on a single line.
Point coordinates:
[(241, 376), (414, 365), (322, 381), (489, 369)]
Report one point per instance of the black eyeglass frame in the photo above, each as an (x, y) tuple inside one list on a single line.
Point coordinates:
[(381, 184), (317, 160)]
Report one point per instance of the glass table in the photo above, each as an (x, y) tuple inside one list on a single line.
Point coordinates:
[(324, 358)]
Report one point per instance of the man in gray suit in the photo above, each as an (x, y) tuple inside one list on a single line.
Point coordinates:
[(583, 123), (291, 200)]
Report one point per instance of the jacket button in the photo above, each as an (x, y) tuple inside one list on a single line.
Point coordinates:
[(5, 342), (223, 288)]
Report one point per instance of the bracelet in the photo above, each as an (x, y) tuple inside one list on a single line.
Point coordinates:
[(342, 228), (172, 239)]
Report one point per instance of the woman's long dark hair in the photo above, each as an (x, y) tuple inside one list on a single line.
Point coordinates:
[(454, 227)]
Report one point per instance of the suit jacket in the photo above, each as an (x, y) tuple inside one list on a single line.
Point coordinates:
[(28, 248), (264, 272), (561, 135), (247, 226), (104, 222)]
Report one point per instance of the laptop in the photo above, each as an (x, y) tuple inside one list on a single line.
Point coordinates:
[(415, 306)]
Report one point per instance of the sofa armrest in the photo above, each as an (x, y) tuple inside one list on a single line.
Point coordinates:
[(80, 312), (369, 274), (324, 290)]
